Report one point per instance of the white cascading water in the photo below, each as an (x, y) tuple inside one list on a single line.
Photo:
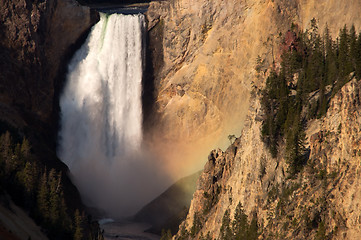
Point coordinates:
[(101, 118)]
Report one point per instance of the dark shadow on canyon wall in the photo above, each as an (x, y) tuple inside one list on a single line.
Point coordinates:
[(153, 66)]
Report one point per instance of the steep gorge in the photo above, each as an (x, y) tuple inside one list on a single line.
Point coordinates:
[(206, 88)]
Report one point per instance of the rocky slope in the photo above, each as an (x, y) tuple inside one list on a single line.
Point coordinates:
[(204, 55), (325, 193), (170, 208), (207, 88)]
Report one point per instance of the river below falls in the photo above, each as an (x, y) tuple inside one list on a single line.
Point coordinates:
[(124, 230)]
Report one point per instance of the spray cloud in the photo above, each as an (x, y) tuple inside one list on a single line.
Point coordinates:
[(101, 119)]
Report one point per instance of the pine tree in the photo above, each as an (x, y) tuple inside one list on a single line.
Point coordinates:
[(295, 145), (358, 56), (344, 59), (43, 197), (28, 177), (240, 223), (6, 153), (25, 148), (54, 185), (330, 59), (225, 231), (253, 228), (64, 219), (78, 222), (197, 224), (353, 40)]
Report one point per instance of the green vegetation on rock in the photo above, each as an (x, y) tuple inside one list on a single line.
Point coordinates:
[(313, 68), (240, 228), (39, 191)]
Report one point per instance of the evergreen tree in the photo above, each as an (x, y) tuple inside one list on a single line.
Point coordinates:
[(295, 144), (28, 177), (43, 197), (240, 223), (330, 58), (253, 233), (197, 224), (25, 148), (6, 153), (344, 60), (353, 51), (225, 231), (78, 222), (54, 201), (358, 56), (64, 219)]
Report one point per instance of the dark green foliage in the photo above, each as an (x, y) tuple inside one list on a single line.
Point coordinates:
[(240, 223), (253, 230), (321, 232), (43, 197), (197, 224), (240, 228), (37, 190), (295, 140), (226, 232), (78, 222), (357, 56), (275, 103), (310, 74)]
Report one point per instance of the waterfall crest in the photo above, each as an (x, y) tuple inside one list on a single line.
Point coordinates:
[(101, 116)]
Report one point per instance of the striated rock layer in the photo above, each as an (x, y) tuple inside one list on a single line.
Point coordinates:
[(204, 68)]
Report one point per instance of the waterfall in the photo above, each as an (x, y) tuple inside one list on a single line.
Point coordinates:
[(101, 117)]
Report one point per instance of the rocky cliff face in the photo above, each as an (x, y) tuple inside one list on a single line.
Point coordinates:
[(207, 88), (205, 66), (36, 37), (203, 84), (325, 193)]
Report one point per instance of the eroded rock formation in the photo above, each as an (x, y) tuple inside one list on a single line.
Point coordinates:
[(208, 88), (205, 67), (325, 192)]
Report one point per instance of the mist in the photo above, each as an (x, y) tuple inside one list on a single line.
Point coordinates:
[(100, 137)]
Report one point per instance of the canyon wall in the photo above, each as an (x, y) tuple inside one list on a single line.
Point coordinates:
[(288, 207), (207, 88), (204, 68), (36, 37)]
